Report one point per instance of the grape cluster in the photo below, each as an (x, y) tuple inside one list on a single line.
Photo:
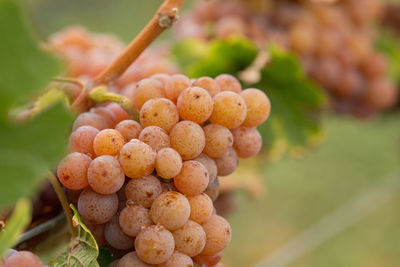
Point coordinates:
[(22, 258), (146, 189), (334, 42)]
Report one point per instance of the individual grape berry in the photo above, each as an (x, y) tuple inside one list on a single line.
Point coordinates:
[(258, 107), (208, 84), (208, 260), (175, 85), (188, 139), (168, 163), (97, 231), (247, 141), (106, 114), (23, 259), (116, 237), (105, 175), (81, 140), (159, 112), (118, 112), (227, 82), (97, 208), (89, 119), (162, 78), (193, 178), (178, 260), (129, 129), (212, 190), (154, 244), (350, 85), (228, 163), (374, 66), (137, 159), (108, 142), (170, 209), (133, 218), (218, 140), (145, 90), (190, 239), (218, 234), (195, 104), (229, 110), (72, 171), (381, 94), (201, 208), (143, 191), (302, 37), (210, 165), (131, 260), (155, 137)]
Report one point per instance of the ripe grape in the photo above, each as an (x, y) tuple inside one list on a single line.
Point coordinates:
[(168, 163), (131, 260), (193, 178), (89, 119), (106, 114), (116, 237), (188, 139), (97, 231), (154, 244), (201, 208), (159, 112), (22, 259), (208, 84), (72, 171), (143, 191), (212, 190), (247, 141), (137, 159), (175, 85), (218, 140), (218, 234), (381, 94), (81, 140), (195, 104), (190, 239), (229, 110), (208, 260), (258, 107), (210, 165), (105, 175), (228, 163), (170, 209), (162, 78), (97, 208), (145, 90), (155, 137), (227, 82), (108, 142), (374, 66), (178, 260), (129, 129), (119, 113), (133, 218)]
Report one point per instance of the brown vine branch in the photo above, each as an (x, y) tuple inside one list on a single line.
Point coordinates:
[(166, 15)]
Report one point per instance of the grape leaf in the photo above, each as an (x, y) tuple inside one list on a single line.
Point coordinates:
[(389, 44), (24, 67), (83, 250), (15, 225)]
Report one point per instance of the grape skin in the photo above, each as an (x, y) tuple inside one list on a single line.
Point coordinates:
[(72, 171), (97, 208), (168, 163), (195, 104), (118, 112), (116, 237), (162, 78), (137, 159), (247, 141), (229, 110), (188, 139), (133, 218), (208, 84), (218, 234), (258, 107), (89, 119), (209, 260), (129, 129), (193, 178), (97, 231), (210, 165), (145, 90), (175, 85), (22, 259), (227, 82), (106, 114), (132, 260), (154, 244), (228, 163), (159, 112), (218, 140), (144, 190), (108, 142), (190, 239), (171, 210), (177, 260), (212, 190), (105, 175), (155, 137), (201, 208), (81, 140)]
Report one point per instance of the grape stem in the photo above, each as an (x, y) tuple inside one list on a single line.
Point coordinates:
[(63, 200), (165, 17)]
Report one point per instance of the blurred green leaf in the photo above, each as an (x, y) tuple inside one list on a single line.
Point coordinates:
[(15, 226), (24, 67), (389, 44), (83, 250)]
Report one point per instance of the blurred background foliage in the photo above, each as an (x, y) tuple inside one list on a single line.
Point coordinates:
[(356, 156)]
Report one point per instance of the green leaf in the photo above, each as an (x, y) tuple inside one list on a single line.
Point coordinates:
[(15, 226), (83, 250), (24, 67), (389, 44), (28, 150)]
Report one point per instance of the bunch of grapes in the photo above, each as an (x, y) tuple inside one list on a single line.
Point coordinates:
[(334, 42), (146, 189)]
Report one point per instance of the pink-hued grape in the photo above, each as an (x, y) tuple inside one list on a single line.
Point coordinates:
[(155, 137), (133, 218), (143, 191), (72, 171), (218, 234), (188, 139), (129, 129), (218, 140), (190, 239), (193, 178), (97, 208), (116, 237), (168, 163), (81, 140), (247, 141)]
